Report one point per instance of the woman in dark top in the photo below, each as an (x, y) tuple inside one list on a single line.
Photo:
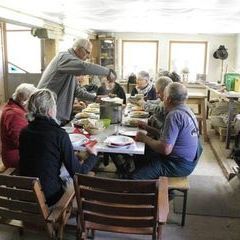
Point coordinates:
[(112, 88), (44, 146), (144, 86)]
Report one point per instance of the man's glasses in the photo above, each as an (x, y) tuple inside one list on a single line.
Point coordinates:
[(86, 50)]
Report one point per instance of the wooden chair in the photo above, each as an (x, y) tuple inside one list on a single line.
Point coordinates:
[(22, 204), (123, 206)]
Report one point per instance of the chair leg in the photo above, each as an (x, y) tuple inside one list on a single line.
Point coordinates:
[(185, 192), (159, 232)]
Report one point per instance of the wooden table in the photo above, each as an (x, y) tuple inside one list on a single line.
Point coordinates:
[(200, 100)]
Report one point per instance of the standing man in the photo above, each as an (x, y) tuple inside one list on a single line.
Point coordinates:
[(59, 77)]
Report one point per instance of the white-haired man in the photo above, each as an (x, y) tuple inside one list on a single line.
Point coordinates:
[(13, 120), (59, 77), (178, 150)]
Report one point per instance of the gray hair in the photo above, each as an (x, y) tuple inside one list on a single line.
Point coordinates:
[(22, 92), (162, 82), (177, 92), (40, 103), (81, 42), (144, 75)]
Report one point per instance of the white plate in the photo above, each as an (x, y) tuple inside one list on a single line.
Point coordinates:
[(119, 140), (129, 133), (114, 146), (78, 139)]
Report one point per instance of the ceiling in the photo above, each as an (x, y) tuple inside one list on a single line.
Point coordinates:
[(162, 16)]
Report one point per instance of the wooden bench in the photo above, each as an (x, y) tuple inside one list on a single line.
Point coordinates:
[(180, 184)]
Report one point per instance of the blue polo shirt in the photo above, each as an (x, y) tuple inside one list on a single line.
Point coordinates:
[(179, 130)]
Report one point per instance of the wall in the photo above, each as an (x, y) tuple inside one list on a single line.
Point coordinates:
[(213, 65), (15, 79)]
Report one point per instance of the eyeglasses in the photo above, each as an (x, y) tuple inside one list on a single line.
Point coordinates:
[(86, 50)]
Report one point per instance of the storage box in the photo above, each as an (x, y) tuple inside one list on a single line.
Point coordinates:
[(229, 80)]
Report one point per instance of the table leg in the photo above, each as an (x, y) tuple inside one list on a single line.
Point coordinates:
[(204, 122), (230, 115)]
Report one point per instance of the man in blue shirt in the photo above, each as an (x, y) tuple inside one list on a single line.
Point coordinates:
[(176, 153)]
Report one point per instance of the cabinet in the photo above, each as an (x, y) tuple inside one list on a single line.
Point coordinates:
[(107, 52), (103, 51)]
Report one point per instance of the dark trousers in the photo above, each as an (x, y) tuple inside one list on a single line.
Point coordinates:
[(154, 165)]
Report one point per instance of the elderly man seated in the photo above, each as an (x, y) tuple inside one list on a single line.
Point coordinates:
[(13, 120), (178, 150), (44, 146)]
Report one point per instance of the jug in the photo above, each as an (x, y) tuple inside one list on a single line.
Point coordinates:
[(112, 111)]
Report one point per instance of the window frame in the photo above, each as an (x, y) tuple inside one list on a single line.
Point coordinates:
[(188, 42), (141, 41)]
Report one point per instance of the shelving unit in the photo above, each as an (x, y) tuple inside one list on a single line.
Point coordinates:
[(107, 52), (103, 51)]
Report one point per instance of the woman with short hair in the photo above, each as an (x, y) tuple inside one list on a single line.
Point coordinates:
[(45, 146), (144, 86), (13, 120)]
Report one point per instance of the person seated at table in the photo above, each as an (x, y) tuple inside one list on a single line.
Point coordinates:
[(111, 88), (156, 120), (144, 86), (177, 152), (13, 120), (173, 75), (44, 146)]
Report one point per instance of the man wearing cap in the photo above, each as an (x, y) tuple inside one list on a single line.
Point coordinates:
[(59, 77)]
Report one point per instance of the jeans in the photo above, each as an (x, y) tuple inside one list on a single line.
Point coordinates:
[(159, 165)]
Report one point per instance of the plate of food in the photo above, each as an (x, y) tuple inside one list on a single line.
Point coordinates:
[(118, 141), (130, 122), (86, 115), (93, 105), (91, 110), (139, 114)]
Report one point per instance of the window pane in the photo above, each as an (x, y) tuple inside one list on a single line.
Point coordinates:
[(139, 56), (24, 52), (188, 57)]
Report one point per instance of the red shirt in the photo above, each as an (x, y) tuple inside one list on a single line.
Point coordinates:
[(13, 120)]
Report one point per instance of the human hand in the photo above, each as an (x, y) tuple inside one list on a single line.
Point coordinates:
[(91, 148), (81, 155), (98, 99), (112, 76), (140, 137), (142, 125)]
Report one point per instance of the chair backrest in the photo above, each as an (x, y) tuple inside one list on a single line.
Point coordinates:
[(21, 198), (126, 206)]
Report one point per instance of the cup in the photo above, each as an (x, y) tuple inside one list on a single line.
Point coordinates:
[(106, 122)]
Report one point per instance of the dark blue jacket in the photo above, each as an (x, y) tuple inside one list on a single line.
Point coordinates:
[(44, 146)]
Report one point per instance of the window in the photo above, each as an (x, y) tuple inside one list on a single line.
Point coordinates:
[(139, 55), (24, 50), (188, 59)]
